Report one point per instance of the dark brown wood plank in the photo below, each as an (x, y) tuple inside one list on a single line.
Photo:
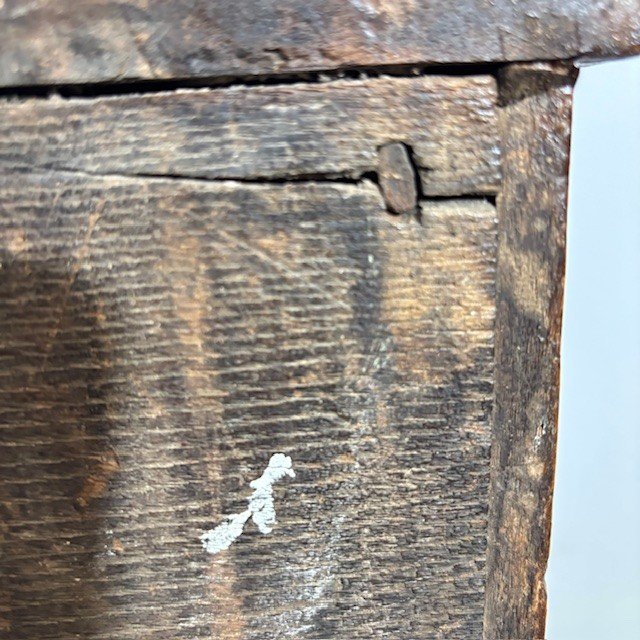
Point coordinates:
[(535, 123), (79, 41), (162, 338), (331, 129)]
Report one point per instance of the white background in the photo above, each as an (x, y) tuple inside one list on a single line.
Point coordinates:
[(594, 571)]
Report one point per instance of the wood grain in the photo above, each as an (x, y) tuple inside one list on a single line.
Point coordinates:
[(535, 122), (79, 41), (162, 338), (279, 132)]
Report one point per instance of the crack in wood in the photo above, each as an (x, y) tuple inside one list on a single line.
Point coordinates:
[(319, 76), (398, 180)]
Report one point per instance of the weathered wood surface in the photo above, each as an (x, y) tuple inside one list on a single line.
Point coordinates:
[(285, 132), (535, 124), (72, 41), (162, 338)]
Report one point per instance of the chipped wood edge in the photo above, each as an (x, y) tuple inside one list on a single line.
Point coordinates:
[(535, 120)]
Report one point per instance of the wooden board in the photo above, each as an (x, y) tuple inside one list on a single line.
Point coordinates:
[(321, 131), (79, 41), (535, 124), (364, 273), (163, 338)]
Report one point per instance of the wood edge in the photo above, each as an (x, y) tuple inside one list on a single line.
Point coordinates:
[(535, 122), (63, 43)]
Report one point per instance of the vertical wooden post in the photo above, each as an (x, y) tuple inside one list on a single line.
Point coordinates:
[(535, 123)]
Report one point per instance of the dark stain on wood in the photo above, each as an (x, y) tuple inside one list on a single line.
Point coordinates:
[(54, 399)]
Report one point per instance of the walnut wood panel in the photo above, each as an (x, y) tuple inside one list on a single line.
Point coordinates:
[(332, 129), (535, 121), (162, 338), (78, 41)]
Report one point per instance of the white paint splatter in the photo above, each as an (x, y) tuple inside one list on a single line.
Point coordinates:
[(261, 508), (541, 432)]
